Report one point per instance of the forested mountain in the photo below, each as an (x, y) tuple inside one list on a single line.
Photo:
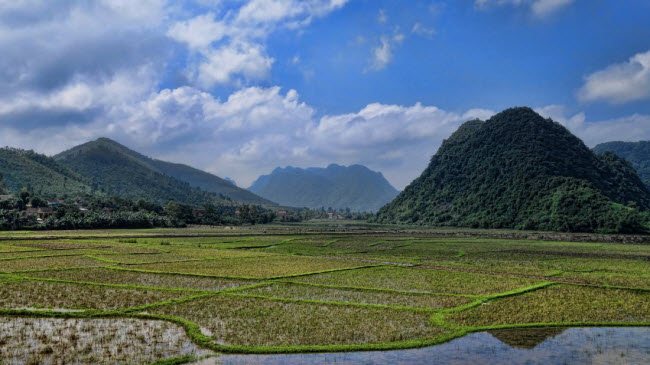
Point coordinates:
[(355, 187), (519, 170), (113, 169), (637, 153), (41, 174)]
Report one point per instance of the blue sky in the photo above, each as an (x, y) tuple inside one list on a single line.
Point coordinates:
[(239, 87)]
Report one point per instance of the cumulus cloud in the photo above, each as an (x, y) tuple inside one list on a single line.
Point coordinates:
[(633, 127), (230, 48), (619, 83)]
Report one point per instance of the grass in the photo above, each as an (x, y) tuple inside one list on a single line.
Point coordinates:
[(45, 263), (125, 277), (35, 294), (420, 280), (235, 320), (560, 303), (254, 267), (320, 293), (275, 289)]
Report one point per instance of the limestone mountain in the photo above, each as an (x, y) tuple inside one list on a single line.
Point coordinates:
[(519, 170), (355, 187)]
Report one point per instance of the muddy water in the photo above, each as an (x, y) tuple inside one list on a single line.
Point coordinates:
[(527, 346)]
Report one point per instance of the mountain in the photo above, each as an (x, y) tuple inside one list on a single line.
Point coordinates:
[(22, 168), (207, 182), (117, 170), (355, 187), (519, 170), (637, 153)]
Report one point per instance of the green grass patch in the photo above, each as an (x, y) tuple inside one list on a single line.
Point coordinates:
[(561, 304), (420, 280)]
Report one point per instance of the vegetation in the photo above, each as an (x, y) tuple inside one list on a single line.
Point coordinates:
[(335, 188), (518, 170), (310, 290), (637, 153)]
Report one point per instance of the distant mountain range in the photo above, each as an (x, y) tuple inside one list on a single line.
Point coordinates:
[(637, 153), (519, 170), (114, 169), (355, 187)]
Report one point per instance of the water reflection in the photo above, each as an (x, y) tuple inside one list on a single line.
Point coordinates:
[(522, 346)]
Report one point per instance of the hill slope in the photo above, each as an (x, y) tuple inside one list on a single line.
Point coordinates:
[(119, 170), (208, 182), (637, 153), (355, 187), (47, 178), (519, 170), (116, 170)]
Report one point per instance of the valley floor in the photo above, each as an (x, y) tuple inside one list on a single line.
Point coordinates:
[(173, 295)]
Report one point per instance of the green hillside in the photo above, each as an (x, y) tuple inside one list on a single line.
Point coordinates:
[(637, 153), (122, 171), (519, 170), (355, 187), (115, 170), (208, 182), (42, 174)]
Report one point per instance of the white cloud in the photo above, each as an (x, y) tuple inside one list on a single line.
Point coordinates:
[(538, 8), (382, 17), (381, 55), (198, 32), (230, 49), (633, 127), (619, 83), (420, 29), (221, 65), (544, 8)]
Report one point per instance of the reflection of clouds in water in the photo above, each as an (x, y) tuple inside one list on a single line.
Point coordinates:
[(572, 346)]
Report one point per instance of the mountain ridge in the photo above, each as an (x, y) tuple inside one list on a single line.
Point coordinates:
[(355, 187), (142, 176)]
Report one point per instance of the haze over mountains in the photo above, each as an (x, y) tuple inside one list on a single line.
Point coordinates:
[(355, 187), (519, 170)]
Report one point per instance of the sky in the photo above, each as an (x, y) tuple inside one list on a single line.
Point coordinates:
[(240, 87)]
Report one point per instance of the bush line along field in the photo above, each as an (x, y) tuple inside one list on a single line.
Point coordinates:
[(303, 292)]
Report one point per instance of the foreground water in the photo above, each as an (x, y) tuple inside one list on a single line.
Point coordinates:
[(618, 345)]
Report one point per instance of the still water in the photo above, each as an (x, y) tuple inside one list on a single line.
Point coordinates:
[(610, 345)]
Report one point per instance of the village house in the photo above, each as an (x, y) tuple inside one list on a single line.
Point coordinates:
[(198, 213), (55, 202), (281, 213), (6, 197), (40, 213)]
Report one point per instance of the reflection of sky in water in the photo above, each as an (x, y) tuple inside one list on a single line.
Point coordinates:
[(573, 346)]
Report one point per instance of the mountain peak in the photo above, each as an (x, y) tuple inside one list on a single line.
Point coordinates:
[(519, 170)]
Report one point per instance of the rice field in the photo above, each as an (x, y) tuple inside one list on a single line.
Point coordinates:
[(143, 296)]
